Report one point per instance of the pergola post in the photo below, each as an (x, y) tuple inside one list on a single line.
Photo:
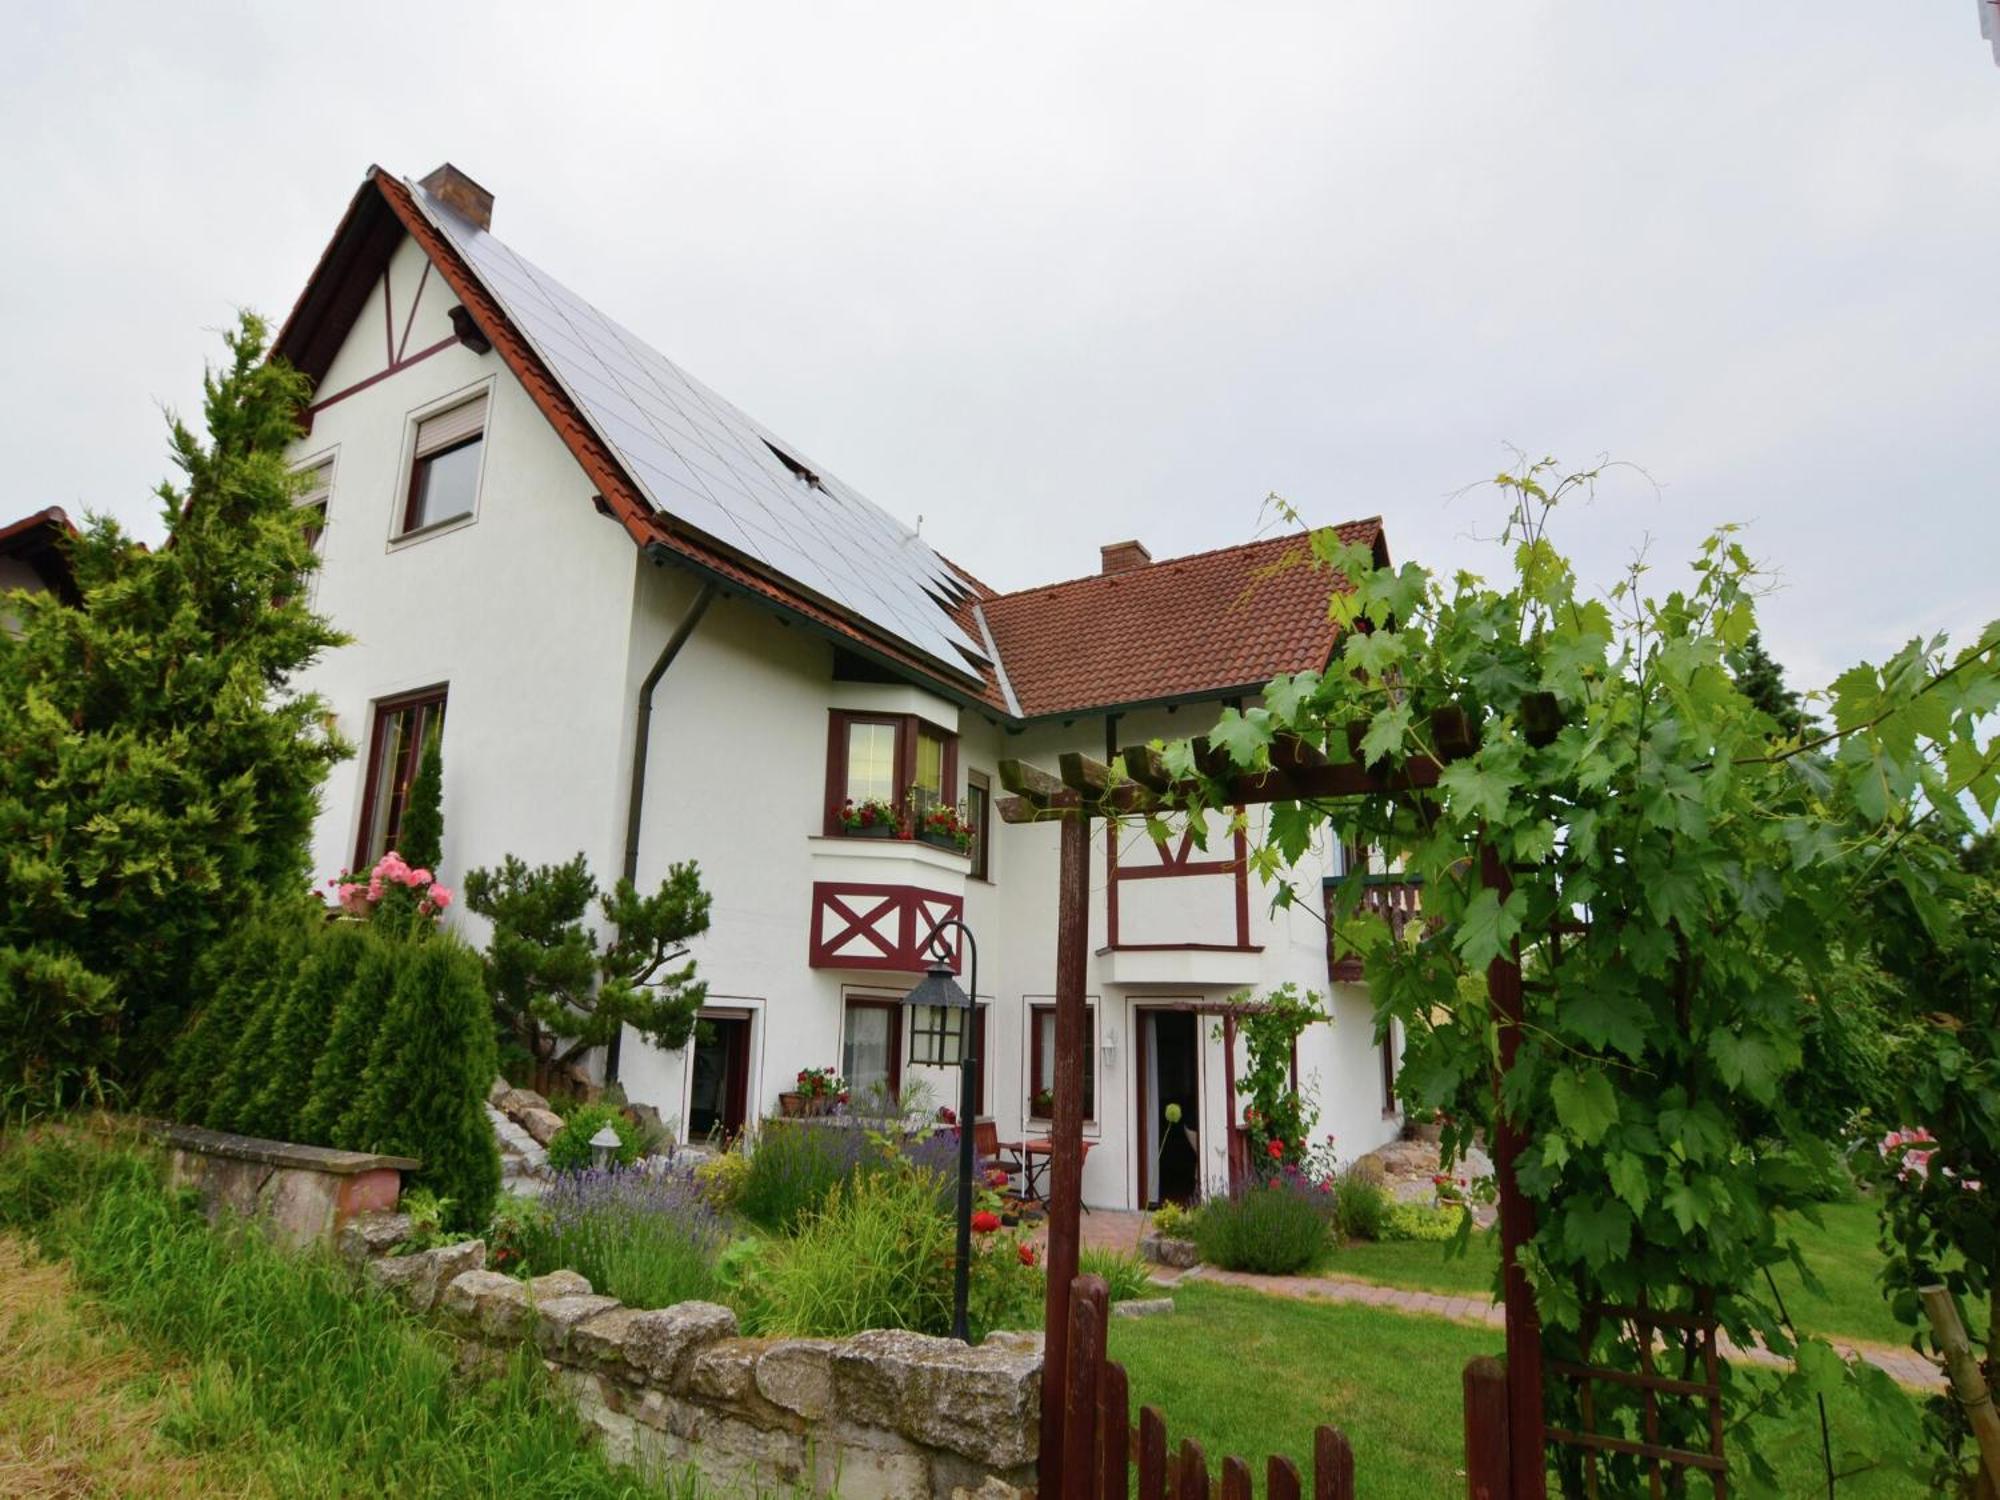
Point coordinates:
[(1066, 1136), (1527, 1447)]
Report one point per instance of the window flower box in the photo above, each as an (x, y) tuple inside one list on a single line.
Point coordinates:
[(871, 819)]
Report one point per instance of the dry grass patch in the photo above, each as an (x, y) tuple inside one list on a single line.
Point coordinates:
[(83, 1411)]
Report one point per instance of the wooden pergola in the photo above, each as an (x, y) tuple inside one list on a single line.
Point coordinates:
[(1087, 789)]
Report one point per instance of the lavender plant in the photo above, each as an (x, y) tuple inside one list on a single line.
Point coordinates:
[(649, 1239)]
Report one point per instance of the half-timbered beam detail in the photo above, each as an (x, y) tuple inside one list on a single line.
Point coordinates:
[(1146, 766), (1090, 777)]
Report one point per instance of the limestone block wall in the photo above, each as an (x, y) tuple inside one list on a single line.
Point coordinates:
[(880, 1416)]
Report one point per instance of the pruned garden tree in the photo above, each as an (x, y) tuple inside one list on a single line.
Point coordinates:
[(558, 988), (1680, 874), (159, 773)]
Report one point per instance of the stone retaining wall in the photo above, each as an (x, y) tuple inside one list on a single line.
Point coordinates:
[(880, 1416)]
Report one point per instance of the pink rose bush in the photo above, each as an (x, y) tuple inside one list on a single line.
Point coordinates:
[(360, 897)]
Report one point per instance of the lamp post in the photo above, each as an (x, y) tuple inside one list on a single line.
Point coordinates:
[(603, 1147), (939, 988)]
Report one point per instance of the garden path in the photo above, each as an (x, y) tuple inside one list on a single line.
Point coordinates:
[(1114, 1229)]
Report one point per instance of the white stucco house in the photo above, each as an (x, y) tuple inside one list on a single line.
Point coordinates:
[(654, 630)]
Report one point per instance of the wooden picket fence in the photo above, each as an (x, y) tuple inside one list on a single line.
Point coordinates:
[(1101, 1444)]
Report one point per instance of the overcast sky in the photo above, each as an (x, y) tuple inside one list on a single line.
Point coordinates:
[(1054, 275)]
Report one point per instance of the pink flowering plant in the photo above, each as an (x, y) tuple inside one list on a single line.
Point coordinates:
[(393, 886)]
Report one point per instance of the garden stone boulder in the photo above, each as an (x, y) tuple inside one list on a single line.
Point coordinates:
[(727, 1371), (417, 1280), (797, 1374), (601, 1336), (662, 1344), (500, 1090), (542, 1124), (981, 1402), (1165, 1251), (495, 1305), (517, 1102), (556, 1319), (560, 1284), (367, 1236), (1142, 1307)]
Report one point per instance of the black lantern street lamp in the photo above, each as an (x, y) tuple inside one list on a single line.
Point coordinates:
[(938, 988)]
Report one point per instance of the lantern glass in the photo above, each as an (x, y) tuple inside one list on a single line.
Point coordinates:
[(937, 1035)]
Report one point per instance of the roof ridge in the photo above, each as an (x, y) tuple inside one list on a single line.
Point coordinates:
[(1185, 557)]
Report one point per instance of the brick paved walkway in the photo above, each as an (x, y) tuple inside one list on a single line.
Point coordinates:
[(1116, 1230)]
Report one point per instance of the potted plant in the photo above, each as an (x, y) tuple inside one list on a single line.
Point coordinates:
[(819, 1092), (945, 826), (871, 818), (1042, 1104)]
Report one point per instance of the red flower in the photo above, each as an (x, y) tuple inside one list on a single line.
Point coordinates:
[(985, 1222), (1027, 1254), (1276, 1149)]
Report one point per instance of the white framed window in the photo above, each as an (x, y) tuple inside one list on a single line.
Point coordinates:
[(445, 464)]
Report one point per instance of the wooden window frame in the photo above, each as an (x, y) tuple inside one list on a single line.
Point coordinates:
[(1390, 1109), (1036, 1062), (982, 826), (381, 710), (907, 727), (851, 1001), (413, 491)]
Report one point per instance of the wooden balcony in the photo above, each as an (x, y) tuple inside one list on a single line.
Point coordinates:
[(1393, 897), (866, 925)]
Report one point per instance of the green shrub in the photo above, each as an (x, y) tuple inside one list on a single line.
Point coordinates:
[(424, 1094), (317, 992), (1417, 1221), (342, 1064), (879, 1254), (514, 1230), (569, 1150), (1277, 1228), (1360, 1207), (231, 984), (56, 1023), (721, 1177), (1173, 1221), (1126, 1276), (270, 953)]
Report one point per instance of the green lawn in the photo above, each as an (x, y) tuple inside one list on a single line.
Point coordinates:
[(1249, 1374), (1841, 1251)]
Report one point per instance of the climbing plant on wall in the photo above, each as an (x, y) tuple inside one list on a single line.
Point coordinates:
[(1678, 872)]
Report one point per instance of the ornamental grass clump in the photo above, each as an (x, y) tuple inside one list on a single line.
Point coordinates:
[(878, 1255), (649, 1239), (1277, 1228)]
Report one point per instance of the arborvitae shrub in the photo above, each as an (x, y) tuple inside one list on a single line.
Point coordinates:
[(422, 835), (343, 1061), (317, 992), (273, 951), (424, 1094), (231, 982)]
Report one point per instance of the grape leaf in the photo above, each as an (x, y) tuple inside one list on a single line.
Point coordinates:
[(1586, 1104)]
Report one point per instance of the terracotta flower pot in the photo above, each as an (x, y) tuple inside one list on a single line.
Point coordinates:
[(791, 1105)]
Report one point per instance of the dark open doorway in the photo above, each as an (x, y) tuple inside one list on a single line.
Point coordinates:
[(718, 1095), (1169, 1074)]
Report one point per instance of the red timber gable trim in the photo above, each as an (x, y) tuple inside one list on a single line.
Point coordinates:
[(860, 926)]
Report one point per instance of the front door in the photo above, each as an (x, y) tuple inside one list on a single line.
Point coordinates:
[(1169, 1075), (718, 1094)]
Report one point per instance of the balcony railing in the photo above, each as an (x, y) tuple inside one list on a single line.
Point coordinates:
[(1395, 898), (871, 926)]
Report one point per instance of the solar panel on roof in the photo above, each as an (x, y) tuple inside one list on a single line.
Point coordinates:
[(713, 468)]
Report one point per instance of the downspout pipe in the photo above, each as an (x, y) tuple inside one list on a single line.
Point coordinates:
[(642, 735)]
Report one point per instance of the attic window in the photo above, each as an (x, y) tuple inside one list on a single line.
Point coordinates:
[(799, 471)]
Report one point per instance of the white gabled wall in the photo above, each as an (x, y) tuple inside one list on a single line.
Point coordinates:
[(524, 611), (543, 618)]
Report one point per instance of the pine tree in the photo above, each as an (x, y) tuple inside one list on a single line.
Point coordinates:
[(422, 835), (1761, 679), (425, 1090), (302, 1032), (158, 773), (343, 1062)]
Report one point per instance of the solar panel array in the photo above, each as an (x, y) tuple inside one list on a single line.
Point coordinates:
[(710, 466)]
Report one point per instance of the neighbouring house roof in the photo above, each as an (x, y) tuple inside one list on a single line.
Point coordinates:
[(698, 482), (37, 541), (1183, 627)]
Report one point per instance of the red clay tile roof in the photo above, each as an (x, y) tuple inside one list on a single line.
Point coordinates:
[(1179, 628)]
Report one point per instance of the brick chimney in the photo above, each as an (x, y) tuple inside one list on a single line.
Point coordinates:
[(460, 194), (1122, 557)]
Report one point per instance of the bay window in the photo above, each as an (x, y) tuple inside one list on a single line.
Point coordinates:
[(887, 759)]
